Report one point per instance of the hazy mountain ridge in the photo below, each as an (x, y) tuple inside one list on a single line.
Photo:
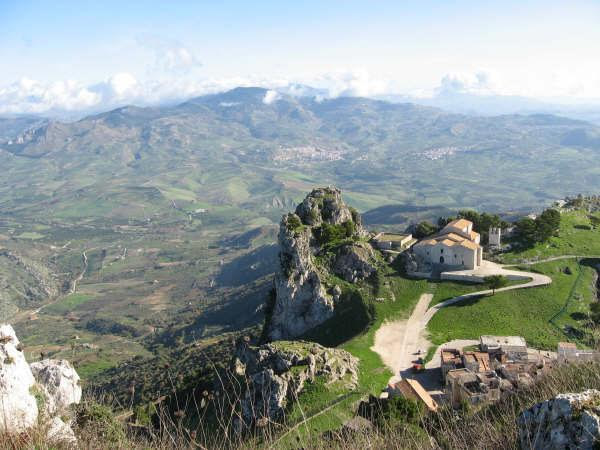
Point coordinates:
[(243, 113)]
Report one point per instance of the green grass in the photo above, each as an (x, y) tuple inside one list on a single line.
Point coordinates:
[(445, 290), (90, 368), (68, 303), (573, 239), (32, 235), (524, 312)]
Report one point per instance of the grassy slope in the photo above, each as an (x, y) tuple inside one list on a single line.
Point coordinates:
[(524, 312), (573, 239)]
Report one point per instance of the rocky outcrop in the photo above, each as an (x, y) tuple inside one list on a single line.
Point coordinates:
[(302, 302), (326, 205), (18, 407), (409, 262), (40, 395), (276, 374), (354, 262), (60, 385), (568, 421)]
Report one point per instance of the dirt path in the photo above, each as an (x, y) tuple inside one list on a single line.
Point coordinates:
[(554, 258), (398, 343)]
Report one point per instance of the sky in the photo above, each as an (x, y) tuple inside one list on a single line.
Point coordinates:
[(77, 55)]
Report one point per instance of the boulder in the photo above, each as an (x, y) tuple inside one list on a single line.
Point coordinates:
[(60, 384), (336, 292), (568, 421), (58, 432), (411, 263), (18, 406)]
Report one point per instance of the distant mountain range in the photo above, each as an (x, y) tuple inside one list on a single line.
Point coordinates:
[(454, 100), (492, 105), (270, 147)]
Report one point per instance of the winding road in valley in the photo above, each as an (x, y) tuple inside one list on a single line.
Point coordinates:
[(398, 342), (74, 282)]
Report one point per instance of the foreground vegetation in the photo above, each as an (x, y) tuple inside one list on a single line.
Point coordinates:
[(494, 426)]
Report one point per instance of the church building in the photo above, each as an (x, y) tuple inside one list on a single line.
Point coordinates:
[(456, 245)]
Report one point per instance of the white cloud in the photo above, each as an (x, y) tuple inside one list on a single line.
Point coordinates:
[(271, 96), (565, 85), (170, 56), (122, 83), (349, 83), (32, 96), (481, 82)]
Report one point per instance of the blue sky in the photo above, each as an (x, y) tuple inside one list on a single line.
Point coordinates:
[(72, 54)]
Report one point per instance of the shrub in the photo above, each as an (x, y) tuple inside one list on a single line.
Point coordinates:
[(40, 399), (424, 229), (109, 326), (293, 222), (99, 420), (333, 234)]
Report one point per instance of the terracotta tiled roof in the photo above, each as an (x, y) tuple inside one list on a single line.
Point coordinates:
[(460, 223), (412, 388), (452, 236), (469, 244), (427, 242), (450, 240)]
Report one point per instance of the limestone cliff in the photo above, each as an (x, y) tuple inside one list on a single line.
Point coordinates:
[(276, 374), (302, 301), (39, 395), (18, 408)]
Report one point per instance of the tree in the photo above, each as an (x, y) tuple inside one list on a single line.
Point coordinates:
[(443, 221), (495, 282), (595, 312), (424, 229), (547, 224), (526, 230)]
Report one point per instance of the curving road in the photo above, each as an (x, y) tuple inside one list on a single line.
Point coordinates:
[(398, 343)]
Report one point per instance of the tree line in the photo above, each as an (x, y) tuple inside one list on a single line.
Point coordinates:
[(530, 231), (482, 222), (527, 231)]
